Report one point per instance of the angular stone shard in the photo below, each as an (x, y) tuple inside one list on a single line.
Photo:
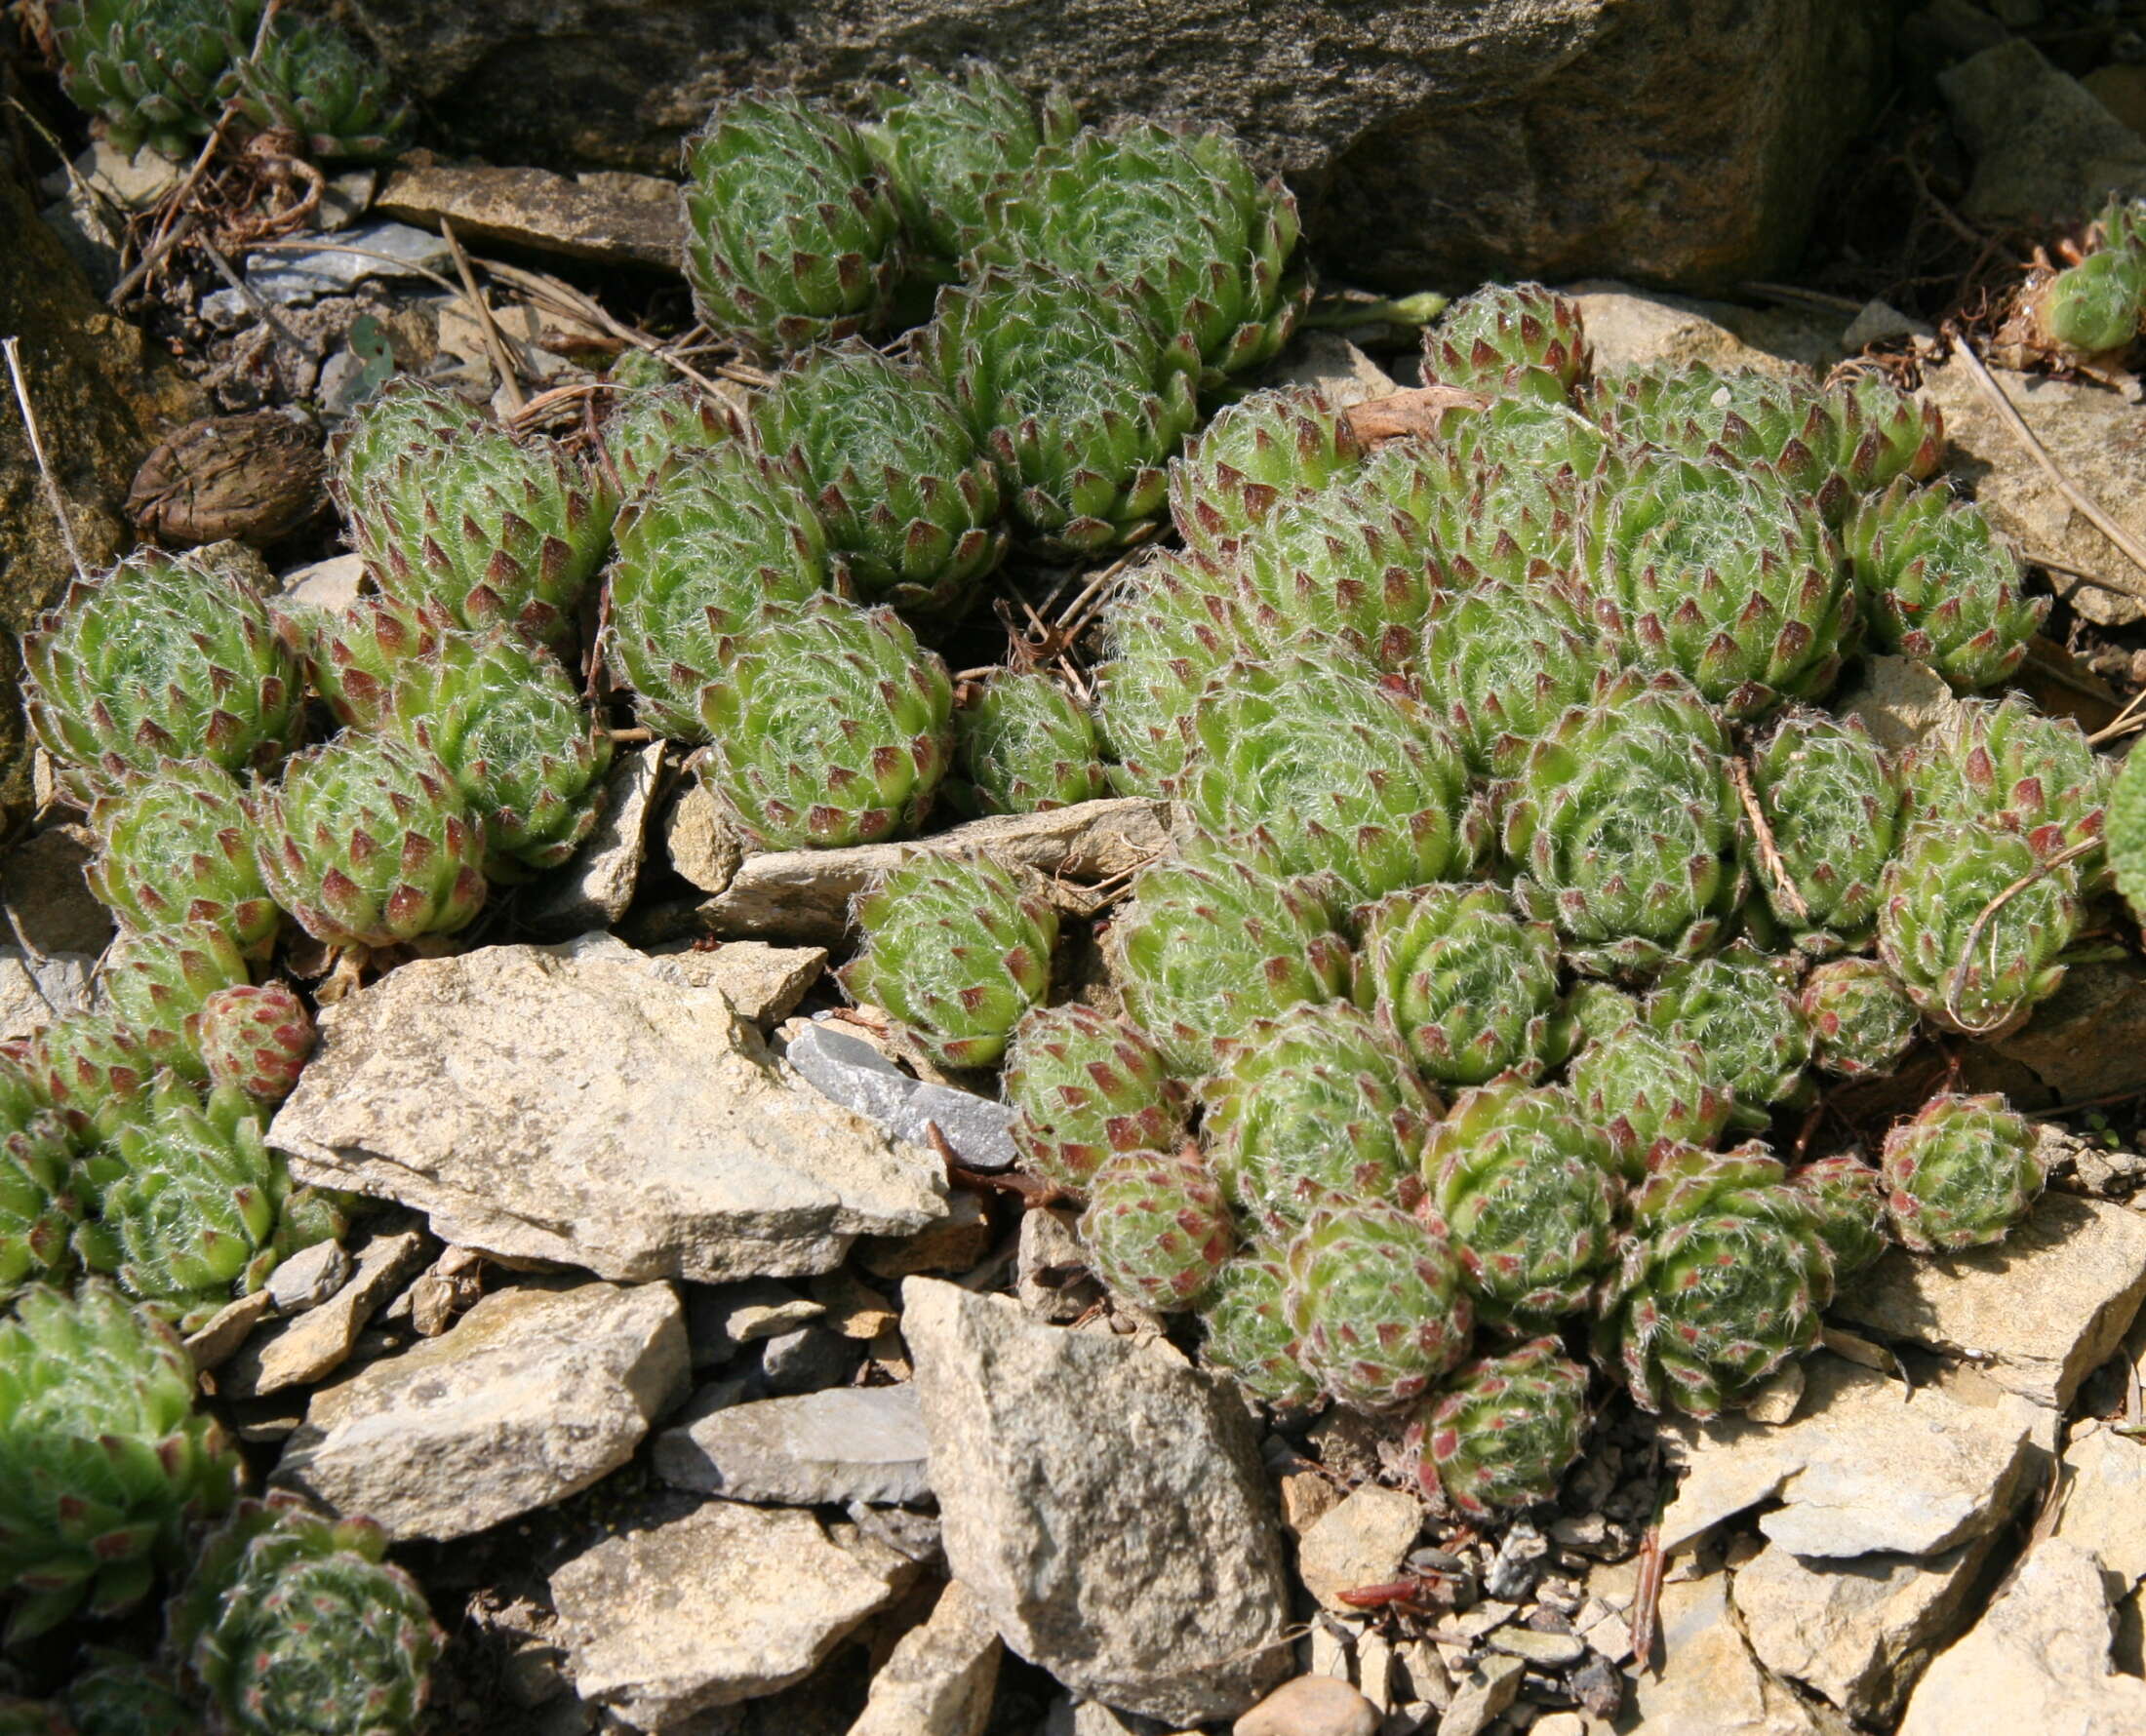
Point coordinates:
[(2038, 1312), (1867, 1467), (2036, 1661), (849, 1444), (1105, 1503), (725, 1605), (583, 1108), (530, 1397)]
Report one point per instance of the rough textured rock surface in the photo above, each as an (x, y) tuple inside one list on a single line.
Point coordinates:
[(1857, 1632), (939, 1680), (2040, 1311), (849, 1444), (1551, 138), (1710, 1684), (2105, 1500), (803, 895), (1310, 1706), (580, 1106), (2099, 439), (34, 992), (2088, 1039), (1361, 1542), (725, 1605), (1629, 327), (319, 1341), (2038, 1660), (1173, 1600), (596, 887), (2045, 148), (100, 406), (589, 216), (532, 1396), (1867, 1467)]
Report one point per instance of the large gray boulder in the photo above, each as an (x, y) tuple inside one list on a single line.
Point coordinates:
[(1673, 140)]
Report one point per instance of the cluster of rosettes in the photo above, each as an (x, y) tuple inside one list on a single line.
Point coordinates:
[(161, 72), (1521, 869)]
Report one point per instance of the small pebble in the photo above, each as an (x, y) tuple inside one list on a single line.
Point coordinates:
[(1311, 1706), (808, 1359)]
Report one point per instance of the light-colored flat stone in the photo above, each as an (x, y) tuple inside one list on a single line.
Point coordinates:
[(34, 992), (2038, 1312), (1900, 700), (1857, 1632), (1867, 1467), (1362, 1542), (725, 1605), (530, 1397), (595, 887), (1710, 1684), (803, 895), (2036, 1661), (764, 982), (609, 217), (1634, 328), (1105, 1503), (2104, 1501), (939, 1680), (1310, 1706), (847, 1444), (576, 1105), (314, 1344)]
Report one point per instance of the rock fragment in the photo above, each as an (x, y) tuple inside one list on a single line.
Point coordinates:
[(939, 1680), (2038, 1660), (1362, 1542), (1173, 1604), (1709, 1681), (849, 1443), (576, 1106), (610, 217), (595, 887), (317, 1342), (1310, 1706), (727, 1604), (530, 1397), (2038, 1312), (1868, 1468)]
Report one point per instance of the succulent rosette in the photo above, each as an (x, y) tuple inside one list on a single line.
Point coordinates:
[(310, 79), (1738, 1009), (1345, 775), (1312, 1105), (1502, 1432), (1075, 395), (791, 235), (1486, 339), (1526, 1192), (1961, 1173), (1260, 453), (1216, 937), (831, 727), (1829, 798), (1377, 1303), (1502, 660), (1456, 975), (1623, 823), (162, 657), (1248, 1333), (649, 424), (153, 71), (2004, 761), (911, 501), (958, 949), (1027, 745), (1177, 217), (175, 845), (1861, 1020), (156, 983), (1640, 1086), (1847, 1199), (1087, 1086), (1157, 1229)]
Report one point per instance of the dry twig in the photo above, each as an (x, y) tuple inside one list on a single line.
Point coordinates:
[(2087, 507), (2062, 858), (510, 379), (12, 347)]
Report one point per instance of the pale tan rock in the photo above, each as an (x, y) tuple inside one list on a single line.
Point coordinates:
[(1362, 1542), (1310, 1706), (1328, 362), (2088, 1039), (2104, 1501), (532, 1396), (1634, 328), (2036, 1661), (217, 1338), (725, 1605), (702, 845), (1173, 1600), (1899, 701), (803, 895), (314, 1344), (1859, 1632), (576, 1105), (1709, 1683), (939, 1680), (2094, 435), (1307, 1497), (1867, 1469), (2038, 1312), (764, 982), (1482, 1695), (596, 887), (609, 217)]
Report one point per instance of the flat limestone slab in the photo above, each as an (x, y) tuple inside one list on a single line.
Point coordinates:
[(577, 1106), (2038, 1312)]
